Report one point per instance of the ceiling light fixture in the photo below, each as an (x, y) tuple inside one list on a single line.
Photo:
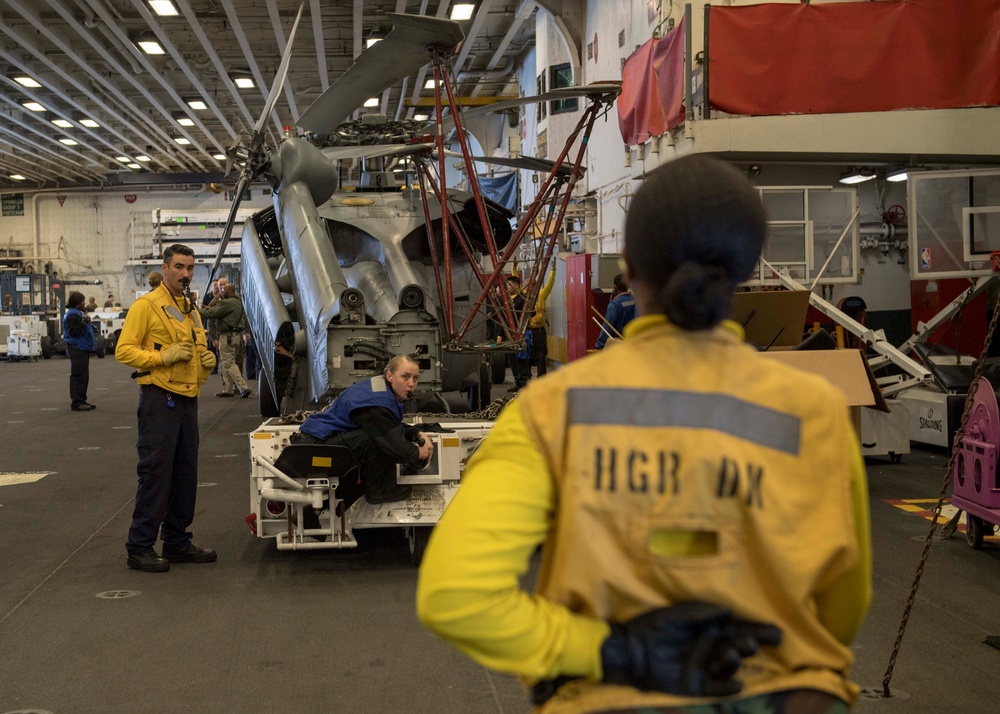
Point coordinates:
[(421, 117), (62, 123), (372, 41), (151, 46), (219, 157), (163, 8), (17, 177), (462, 11), (89, 123), (185, 121), (197, 105), (134, 166), (33, 107), (27, 82), (242, 79), (182, 141), (858, 176), (123, 159), (68, 142), (429, 84), (142, 158), (373, 102), (898, 175)]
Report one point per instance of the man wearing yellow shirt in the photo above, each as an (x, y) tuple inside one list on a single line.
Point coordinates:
[(163, 339), (686, 491)]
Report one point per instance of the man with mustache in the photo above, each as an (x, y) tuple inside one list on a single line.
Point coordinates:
[(367, 418)]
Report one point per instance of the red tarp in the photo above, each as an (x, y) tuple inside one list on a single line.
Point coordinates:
[(652, 98), (854, 57)]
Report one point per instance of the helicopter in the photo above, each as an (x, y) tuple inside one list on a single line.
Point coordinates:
[(335, 282)]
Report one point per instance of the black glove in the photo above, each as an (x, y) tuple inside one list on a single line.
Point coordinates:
[(435, 427), (693, 648)]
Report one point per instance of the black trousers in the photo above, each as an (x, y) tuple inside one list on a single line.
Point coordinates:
[(378, 471), (167, 470), (79, 374)]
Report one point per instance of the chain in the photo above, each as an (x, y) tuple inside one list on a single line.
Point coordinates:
[(949, 470)]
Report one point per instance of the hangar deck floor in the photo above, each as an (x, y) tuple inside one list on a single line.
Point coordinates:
[(335, 631)]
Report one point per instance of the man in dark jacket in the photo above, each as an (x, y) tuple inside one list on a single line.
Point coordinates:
[(367, 418), (80, 344)]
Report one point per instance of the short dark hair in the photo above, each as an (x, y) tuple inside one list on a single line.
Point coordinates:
[(514, 278), (620, 284), (75, 299), (176, 249), (694, 231)]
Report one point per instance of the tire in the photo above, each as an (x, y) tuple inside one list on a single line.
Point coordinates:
[(265, 399), (478, 396), (416, 543), (895, 458), (46, 347), (99, 341), (498, 368), (975, 529)]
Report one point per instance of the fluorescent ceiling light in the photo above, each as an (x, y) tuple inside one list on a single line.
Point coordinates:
[(134, 166), (68, 142), (33, 106), (151, 47), (185, 121), (371, 41), (219, 157), (243, 82), (897, 176), (27, 82), (857, 178), (182, 141), (17, 177), (429, 84), (89, 123), (373, 102), (62, 123), (163, 8), (123, 159), (462, 11), (197, 105), (142, 158), (421, 117)]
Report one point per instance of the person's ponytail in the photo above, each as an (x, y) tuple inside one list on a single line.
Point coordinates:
[(696, 296)]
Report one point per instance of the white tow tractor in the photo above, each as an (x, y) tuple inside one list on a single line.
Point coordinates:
[(287, 478)]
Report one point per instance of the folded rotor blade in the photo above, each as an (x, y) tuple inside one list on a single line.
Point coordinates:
[(338, 153), (403, 51)]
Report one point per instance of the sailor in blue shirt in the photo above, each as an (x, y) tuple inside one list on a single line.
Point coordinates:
[(367, 417), (621, 311)]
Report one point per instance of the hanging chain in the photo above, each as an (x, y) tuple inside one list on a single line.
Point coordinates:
[(949, 470)]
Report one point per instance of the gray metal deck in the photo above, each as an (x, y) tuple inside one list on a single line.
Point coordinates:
[(335, 631)]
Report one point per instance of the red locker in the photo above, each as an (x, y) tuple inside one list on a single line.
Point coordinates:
[(581, 330)]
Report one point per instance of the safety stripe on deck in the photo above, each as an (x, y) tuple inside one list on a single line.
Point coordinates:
[(924, 507)]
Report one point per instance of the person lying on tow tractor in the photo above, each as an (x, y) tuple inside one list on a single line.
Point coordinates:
[(367, 418)]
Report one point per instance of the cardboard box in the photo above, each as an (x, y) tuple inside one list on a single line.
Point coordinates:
[(845, 369), (771, 319)]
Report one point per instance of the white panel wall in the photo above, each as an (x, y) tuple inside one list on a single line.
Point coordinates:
[(91, 235)]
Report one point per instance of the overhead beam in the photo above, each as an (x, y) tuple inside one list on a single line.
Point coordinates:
[(524, 11), (248, 55)]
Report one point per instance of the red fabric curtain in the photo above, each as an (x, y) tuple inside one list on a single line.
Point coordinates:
[(854, 57), (652, 98)]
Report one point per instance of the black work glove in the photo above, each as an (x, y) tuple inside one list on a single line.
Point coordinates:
[(693, 648)]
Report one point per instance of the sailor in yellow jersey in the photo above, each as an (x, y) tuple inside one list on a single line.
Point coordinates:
[(163, 339), (676, 472)]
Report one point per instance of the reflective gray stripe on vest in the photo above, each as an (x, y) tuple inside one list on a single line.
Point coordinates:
[(691, 410)]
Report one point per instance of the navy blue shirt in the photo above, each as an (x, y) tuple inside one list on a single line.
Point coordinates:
[(621, 311)]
